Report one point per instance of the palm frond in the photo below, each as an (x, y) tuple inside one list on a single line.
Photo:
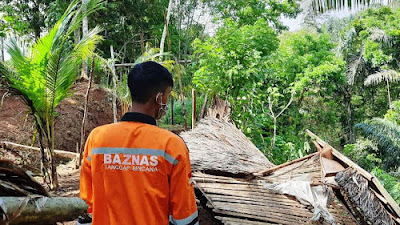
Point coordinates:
[(380, 35), (384, 75), (354, 67), (386, 135)]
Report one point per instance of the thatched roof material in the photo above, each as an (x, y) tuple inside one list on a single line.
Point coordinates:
[(217, 145), (357, 189)]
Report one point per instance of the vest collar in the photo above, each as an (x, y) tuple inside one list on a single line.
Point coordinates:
[(138, 117)]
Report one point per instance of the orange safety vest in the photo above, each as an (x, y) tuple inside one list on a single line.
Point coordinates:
[(136, 173)]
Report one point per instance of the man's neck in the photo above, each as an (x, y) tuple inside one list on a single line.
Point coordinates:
[(143, 109)]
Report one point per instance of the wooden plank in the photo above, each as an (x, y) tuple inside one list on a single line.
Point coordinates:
[(350, 163), (363, 172), (283, 217), (247, 194), (268, 171), (387, 196), (341, 157), (272, 206), (239, 221), (331, 167), (291, 202)]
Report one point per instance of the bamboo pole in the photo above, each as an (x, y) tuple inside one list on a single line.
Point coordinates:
[(41, 210)]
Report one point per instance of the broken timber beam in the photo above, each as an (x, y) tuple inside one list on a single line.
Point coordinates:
[(41, 210), (371, 178)]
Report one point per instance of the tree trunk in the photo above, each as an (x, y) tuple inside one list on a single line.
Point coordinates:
[(142, 42), (182, 97), (85, 30), (114, 79), (349, 115), (274, 135), (203, 107), (77, 36), (85, 109), (2, 48), (43, 161), (172, 111), (42, 210), (53, 168), (164, 34), (388, 90)]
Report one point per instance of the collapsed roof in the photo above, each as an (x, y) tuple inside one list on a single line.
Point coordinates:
[(238, 185)]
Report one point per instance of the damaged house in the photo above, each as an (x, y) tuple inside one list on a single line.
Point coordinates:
[(236, 183)]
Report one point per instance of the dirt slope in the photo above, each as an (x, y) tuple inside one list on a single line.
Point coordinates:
[(16, 123)]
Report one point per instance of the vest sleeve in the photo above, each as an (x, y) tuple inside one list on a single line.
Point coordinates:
[(183, 209), (86, 176)]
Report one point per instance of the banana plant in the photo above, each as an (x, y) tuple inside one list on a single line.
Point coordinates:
[(46, 73)]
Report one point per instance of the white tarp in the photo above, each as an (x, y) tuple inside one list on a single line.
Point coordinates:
[(316, 196)]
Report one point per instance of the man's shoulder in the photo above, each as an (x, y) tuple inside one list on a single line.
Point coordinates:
[(103, 128), (164, 133)]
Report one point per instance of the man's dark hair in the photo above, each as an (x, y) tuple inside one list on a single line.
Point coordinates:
[(147, 79)]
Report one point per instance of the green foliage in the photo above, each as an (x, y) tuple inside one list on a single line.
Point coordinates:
[(390, 182), (26, 16), (386, 135), (45, 75), (231, 61), (249, 64), (250, 11), (393, 114), (364, 153)]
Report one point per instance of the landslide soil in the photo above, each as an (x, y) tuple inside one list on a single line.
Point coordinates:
[(16, 122)]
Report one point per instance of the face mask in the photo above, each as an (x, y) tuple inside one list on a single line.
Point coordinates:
[(163, 108)]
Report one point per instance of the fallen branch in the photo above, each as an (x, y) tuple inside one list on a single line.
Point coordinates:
[(13, 146)]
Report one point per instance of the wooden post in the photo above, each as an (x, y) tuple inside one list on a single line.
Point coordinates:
[(193, 108), (114, 78)]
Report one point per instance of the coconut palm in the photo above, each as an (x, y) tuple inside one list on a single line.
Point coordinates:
[(44, 75), (386, 134)]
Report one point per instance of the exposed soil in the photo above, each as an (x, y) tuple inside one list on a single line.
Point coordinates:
[(16, 122)]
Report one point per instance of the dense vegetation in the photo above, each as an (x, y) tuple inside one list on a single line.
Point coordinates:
[(338, 79)]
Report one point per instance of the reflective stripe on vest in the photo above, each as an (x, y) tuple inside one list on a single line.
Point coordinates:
[(135, 151), (190, 220)]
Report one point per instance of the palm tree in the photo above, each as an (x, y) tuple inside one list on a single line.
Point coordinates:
[(384, 75), (386, 134), (45, 75)]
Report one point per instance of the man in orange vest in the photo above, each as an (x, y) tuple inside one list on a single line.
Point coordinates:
[(134, 172)]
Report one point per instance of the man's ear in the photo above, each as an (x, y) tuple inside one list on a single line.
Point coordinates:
[(158, 97)]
